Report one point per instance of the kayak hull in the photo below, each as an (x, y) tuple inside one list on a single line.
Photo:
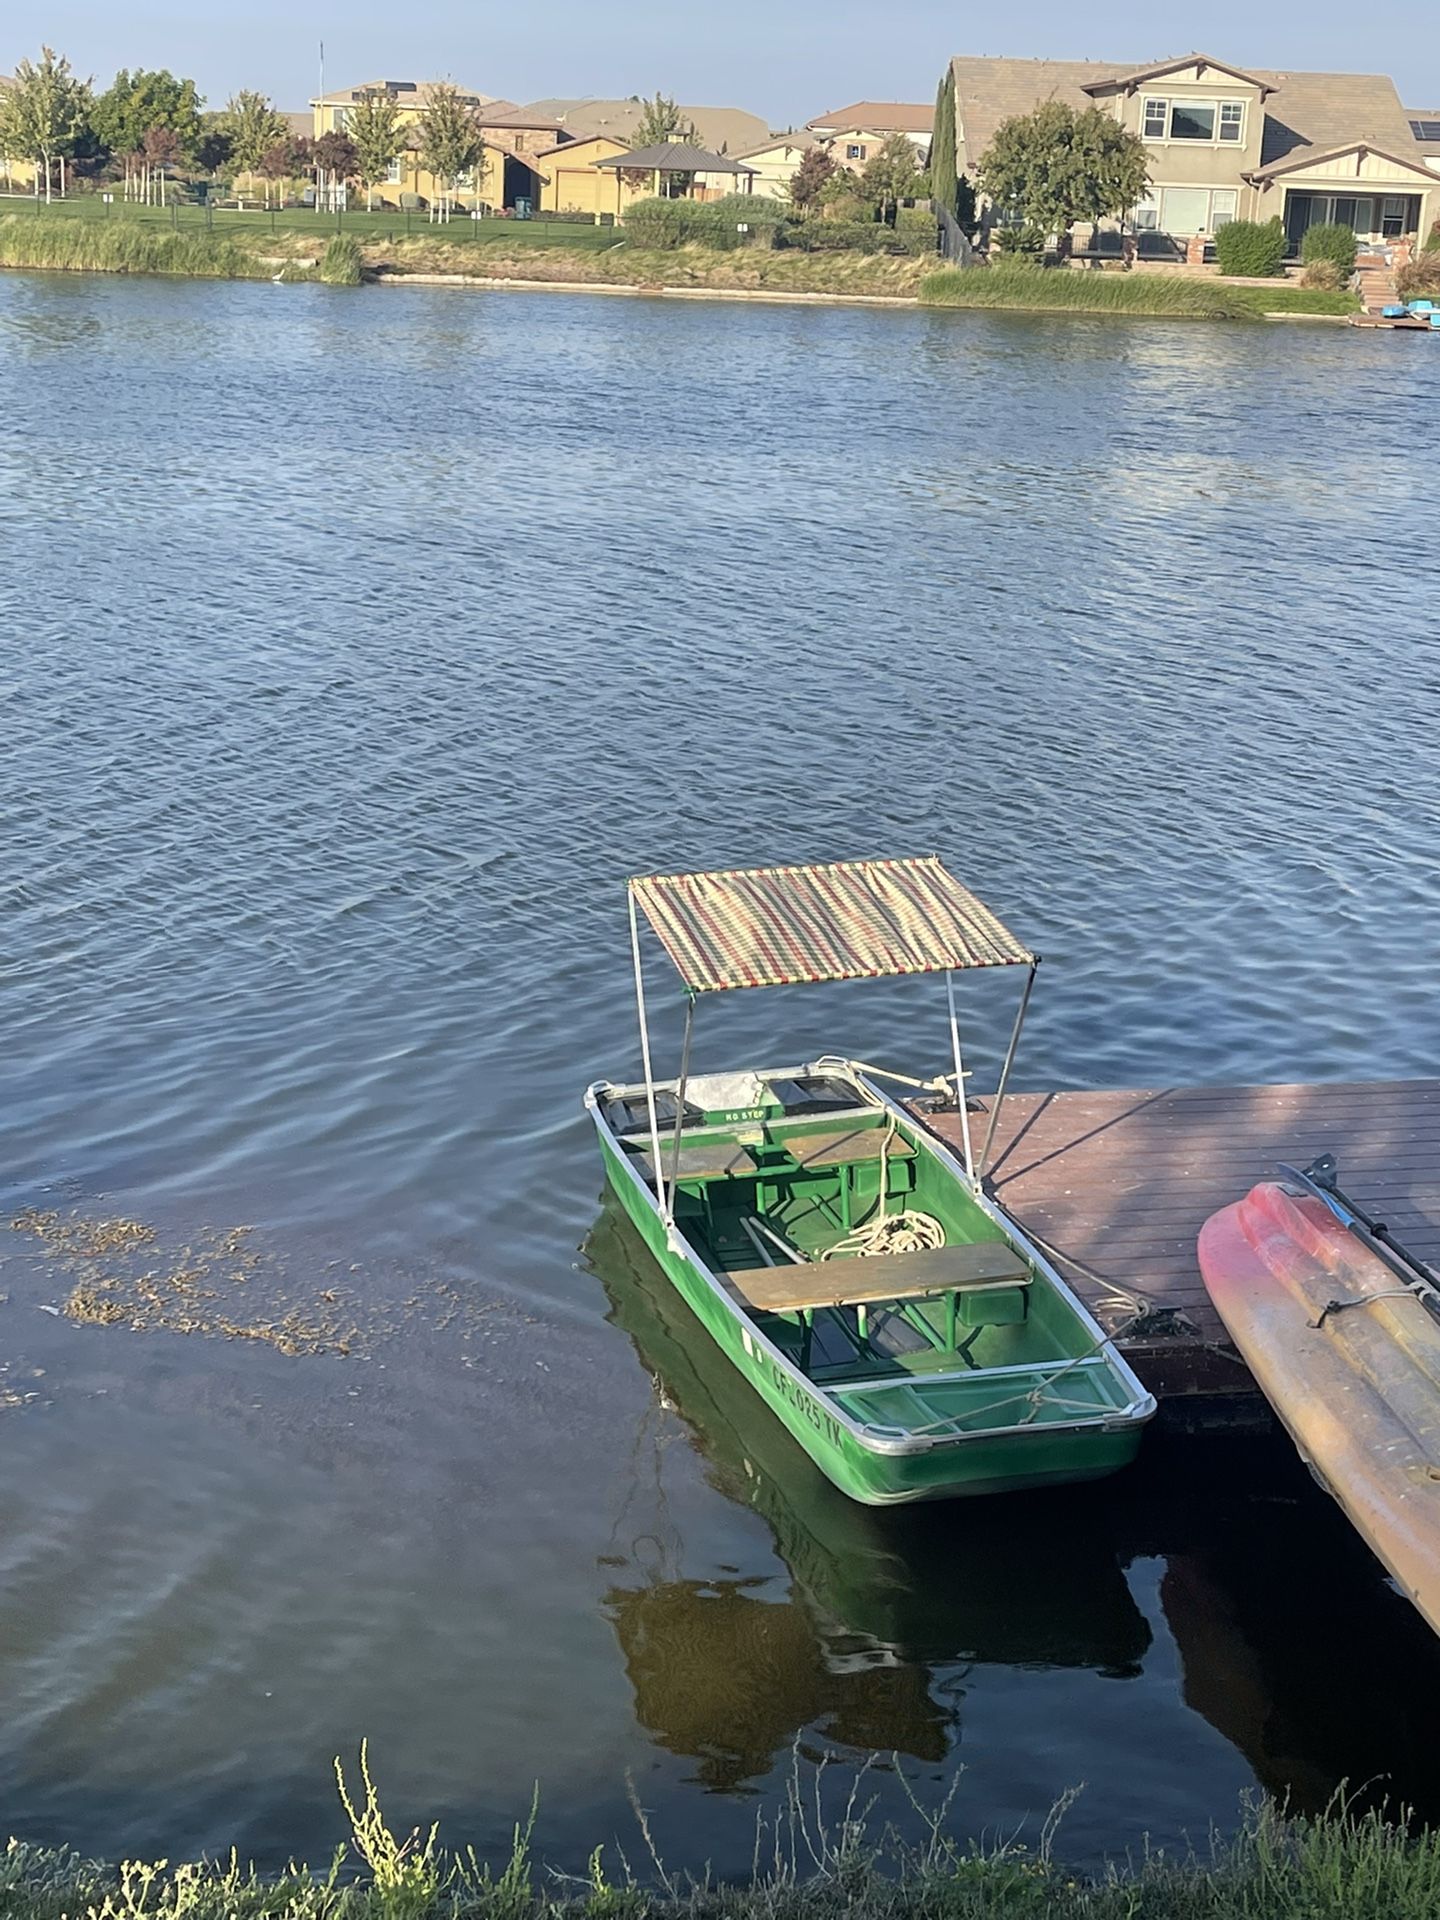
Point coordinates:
[(1349, 1359)]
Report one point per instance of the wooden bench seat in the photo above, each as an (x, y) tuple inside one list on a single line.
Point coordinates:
[(719, 1160), (846, 1148), (882, 1277)]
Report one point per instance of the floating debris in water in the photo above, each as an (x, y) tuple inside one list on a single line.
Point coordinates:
[(89, 1239)]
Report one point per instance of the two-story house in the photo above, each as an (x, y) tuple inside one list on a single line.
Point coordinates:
[(514, 139), (1224, 143), (856, 133)]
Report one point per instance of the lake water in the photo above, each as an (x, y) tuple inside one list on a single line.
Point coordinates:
[(356, 647)]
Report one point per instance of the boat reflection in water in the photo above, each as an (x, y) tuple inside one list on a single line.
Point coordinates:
[(727, 1674)]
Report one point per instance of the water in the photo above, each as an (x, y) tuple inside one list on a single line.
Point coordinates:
[(358, 646)]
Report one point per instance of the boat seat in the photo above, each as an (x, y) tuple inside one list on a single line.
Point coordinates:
[(845, 1148), (984, 1266), (718, 1160)]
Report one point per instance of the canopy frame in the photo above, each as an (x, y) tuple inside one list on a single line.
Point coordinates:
[(993, 946)]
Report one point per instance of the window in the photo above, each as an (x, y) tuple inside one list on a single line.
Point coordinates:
[(1192, 120), (1210, 120), (1223, 202), (395, 172), (1147, 215), (854, 153), (1392, 216)]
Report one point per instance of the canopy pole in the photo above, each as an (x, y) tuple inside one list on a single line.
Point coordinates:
[(645, 1058), (1005, 1070), (680, 1098), (959, 1074)]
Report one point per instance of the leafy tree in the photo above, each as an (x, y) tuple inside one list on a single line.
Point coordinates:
[(216, 147), (450, 142), (44, 115), (663, 124), (335, 160), (133, 103), (1057, 165), (253, 127), (161, 151), (374, 125), (284, 159), (944, 170), (892, 175), (810, 179)]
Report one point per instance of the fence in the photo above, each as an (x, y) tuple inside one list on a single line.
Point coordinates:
[(954, 241)]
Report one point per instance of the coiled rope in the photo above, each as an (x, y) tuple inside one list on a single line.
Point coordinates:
[(907, 1231)]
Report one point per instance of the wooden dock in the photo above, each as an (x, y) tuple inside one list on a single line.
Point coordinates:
[(1115, 1186)]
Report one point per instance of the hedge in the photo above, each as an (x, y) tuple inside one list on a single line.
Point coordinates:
[(1251, 249), (1329, 241)]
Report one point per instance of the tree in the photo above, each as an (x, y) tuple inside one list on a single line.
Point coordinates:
[(1057, 165), (253, 127), (335, 161), (450, 142), (43, 114), (284, 159), (944, 170), (216, 147), (374, 125), (133, 103), (662, 124), (892, 175), (811, 177), (161, 150)]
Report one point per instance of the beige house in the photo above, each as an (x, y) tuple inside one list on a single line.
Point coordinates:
[(856, 133), (774, 163), (16, 175), (513, 136), (721, 129), (1226, 144)]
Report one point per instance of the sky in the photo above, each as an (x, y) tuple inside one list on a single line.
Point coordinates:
[(788, 62)]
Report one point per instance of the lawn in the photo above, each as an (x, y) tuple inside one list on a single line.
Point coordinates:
[(366, 227)]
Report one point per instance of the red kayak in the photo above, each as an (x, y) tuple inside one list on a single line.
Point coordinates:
[(1346, 1347)]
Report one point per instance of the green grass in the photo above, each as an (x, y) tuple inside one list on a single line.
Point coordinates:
[(1346, 1866), (317, 227), (73, 245), (1053, 291)]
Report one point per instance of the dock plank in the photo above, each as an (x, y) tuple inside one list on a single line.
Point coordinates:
[(1115, 1185)]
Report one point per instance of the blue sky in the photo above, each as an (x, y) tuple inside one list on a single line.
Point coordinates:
[(786, 62)]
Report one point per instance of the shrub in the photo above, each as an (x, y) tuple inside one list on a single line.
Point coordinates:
[(762, 217), (1329, 241), (853, 236), (1421, 279), (1018, 285), (1028, 241), (672, 223), (1325, 274), (340, 265), (1251, 249)]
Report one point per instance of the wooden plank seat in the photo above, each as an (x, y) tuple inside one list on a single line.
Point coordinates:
[(845, 1148), (713, 1160), (884, 1276)]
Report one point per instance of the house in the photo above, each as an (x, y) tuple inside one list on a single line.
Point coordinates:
[(604, 176), (16, 175), (856, 133), (513, 139), (774, 162), (1225, 143), (721, 129)]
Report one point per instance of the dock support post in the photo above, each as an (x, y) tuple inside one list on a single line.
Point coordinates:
[(1005, 1070), (645, 1059), (959, 1075)]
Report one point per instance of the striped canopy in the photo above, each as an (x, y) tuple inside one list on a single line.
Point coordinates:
[(860, 919)]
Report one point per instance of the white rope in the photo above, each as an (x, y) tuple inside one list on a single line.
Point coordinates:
[(905, 1232)]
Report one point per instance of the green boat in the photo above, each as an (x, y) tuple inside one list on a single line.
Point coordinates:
[(854, 1269)]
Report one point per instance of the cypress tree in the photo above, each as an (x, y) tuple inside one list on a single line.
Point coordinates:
[(944, 180)]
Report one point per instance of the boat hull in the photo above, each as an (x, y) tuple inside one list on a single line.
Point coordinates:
[(875, 1473), (1359, 1392)]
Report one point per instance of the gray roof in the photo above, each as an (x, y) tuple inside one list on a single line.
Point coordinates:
[(1319, 111), (672, 158), (724, 129)]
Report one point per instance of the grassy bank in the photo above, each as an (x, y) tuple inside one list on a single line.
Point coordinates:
[(1157, 294), (620, 265), (1347, 1867), (92, 247)]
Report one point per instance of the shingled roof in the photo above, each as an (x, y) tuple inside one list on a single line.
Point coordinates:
[(879, 116), (1318, 111), (722, 129)]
